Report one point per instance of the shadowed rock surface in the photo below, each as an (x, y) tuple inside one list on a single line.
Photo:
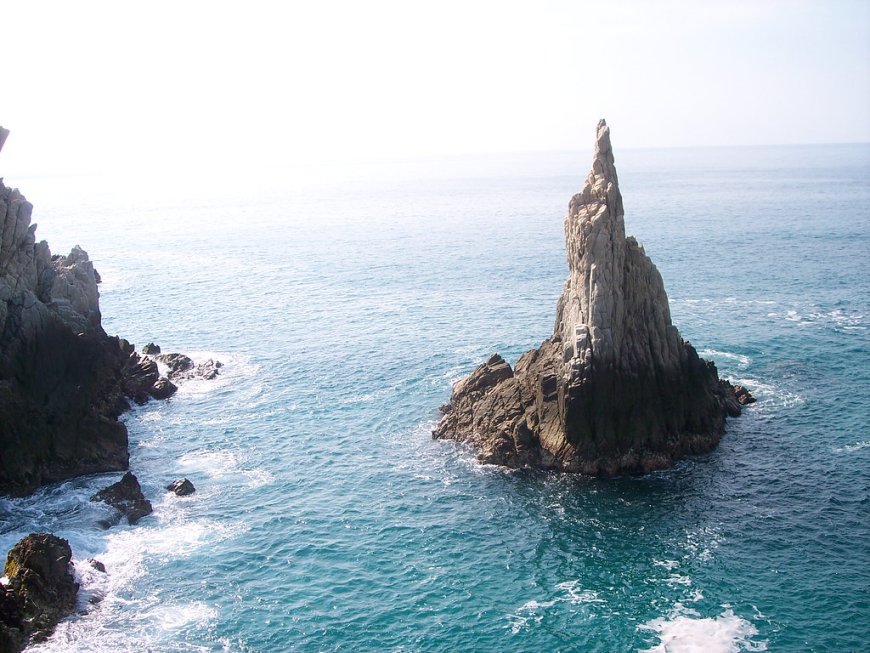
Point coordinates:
[(126, 497), (615, 389), (41, 590)]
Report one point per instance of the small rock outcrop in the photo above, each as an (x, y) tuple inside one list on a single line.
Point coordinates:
[(96, 564), (39, 590), (126, 497), (182, 368), (615, 389), (181, 487), (151, 349)]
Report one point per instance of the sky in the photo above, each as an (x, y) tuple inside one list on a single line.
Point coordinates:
[(107, 86)]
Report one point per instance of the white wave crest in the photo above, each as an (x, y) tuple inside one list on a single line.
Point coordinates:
[(852, 448), (687, 632)]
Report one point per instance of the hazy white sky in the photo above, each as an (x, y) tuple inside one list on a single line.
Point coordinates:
[(122, 85)]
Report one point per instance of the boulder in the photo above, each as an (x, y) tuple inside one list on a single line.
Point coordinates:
[(743, 395), (151, 349), (163, 388), (126, 497), (96, 564), (38, 592), (181, 487), (615, 388)]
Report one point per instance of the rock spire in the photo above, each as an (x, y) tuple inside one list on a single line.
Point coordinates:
[(615, 388)]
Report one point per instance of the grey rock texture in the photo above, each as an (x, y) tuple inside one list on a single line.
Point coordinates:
[(41, 590), (615, 389)]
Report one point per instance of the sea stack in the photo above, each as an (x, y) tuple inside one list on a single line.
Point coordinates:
[(615, 389)]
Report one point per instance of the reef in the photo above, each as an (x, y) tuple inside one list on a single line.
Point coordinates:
[(615, 388)]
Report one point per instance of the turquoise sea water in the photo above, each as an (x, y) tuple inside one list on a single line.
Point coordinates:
[(344, 302)]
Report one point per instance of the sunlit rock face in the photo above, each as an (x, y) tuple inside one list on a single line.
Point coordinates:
[(615, 388)]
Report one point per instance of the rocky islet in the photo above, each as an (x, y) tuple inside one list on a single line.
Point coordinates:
[(615, 388)]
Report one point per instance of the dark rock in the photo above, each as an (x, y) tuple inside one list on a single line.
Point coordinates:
[(96, 564), (151, 349), (178, 364), (182, 368), (63, 381), (140, 376), (60, 374), (743, 395), (182, 487), (208, 370), (41, 590), (615, 389), (126, 497), (163, 389)]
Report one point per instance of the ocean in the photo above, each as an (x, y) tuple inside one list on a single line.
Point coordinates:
[(345, 300)]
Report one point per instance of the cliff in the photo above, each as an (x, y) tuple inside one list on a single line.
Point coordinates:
[(63, 381), (615, 388)]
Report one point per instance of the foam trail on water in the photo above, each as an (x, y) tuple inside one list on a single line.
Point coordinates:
[(686, 632)]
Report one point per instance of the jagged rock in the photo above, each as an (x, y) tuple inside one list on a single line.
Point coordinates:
[(182, 368), (140, 377), (126, 497), (615, 389), (181, 487), (40, 590), (743, 395), (208, 370), (96, 564), (178, 364), (151, 349), (163, 388)]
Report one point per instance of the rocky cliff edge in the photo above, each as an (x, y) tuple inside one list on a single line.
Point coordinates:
[(63, 381)]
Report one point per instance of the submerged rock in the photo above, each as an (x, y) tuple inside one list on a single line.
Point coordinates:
[(181, 487), (615, 389), (126, 497), (39, 590)]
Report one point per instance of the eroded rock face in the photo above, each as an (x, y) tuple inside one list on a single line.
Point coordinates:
[(40, 591), (615, 388)]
